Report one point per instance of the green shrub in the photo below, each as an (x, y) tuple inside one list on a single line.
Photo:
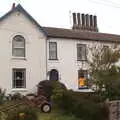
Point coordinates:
[(58, 93), (16, 96), (89, 110), (48, 86), (2, 96), (22, 113), (82, 105)]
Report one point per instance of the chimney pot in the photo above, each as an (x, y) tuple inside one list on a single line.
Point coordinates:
[(74, 21), (83, 21), (91, 22), (13, 5), (87, 21), (79, 20), (95, 22)]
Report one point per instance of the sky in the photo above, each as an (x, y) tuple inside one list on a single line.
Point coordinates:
[(58, 13)]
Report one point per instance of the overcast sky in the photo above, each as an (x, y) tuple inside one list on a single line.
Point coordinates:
[(56, 13)]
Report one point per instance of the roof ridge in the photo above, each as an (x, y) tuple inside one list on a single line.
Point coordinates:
[(80, 31)]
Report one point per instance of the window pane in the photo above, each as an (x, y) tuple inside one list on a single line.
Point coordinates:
[(19, 52), (53, 46), (18, 46), (19, 84), (52, 50), (53, 55), (81, 52), (82, 79), (19, 78)]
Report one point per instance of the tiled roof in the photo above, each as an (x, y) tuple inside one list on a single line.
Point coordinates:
[(82, 35), (66, 33)]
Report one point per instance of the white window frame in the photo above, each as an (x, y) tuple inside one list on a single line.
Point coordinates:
[(81, 54), (18, 47), (82, 74), (14, 78), (51, 56)]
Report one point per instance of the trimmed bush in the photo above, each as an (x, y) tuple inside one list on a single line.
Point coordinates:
[(48, 86)]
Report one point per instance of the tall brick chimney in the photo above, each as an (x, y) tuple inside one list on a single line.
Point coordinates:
[(85, 22)]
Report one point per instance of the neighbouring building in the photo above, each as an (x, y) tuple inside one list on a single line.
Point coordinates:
[(30, 53)]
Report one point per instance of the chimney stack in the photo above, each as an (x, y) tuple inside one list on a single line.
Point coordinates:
[(13, 6), (85, 22)]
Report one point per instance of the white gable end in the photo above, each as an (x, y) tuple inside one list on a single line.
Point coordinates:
[(34, 61)]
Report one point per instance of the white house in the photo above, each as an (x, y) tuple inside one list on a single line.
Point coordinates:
[(30, 53)]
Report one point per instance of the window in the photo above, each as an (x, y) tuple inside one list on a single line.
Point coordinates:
[(82, 79), (54, 75), (18, 46), (81, 52), (19, 76), (52, 50)]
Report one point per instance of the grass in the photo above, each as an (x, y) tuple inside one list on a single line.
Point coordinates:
[(55, 115)]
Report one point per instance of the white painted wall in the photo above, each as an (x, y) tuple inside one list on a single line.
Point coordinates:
[(67, 64), (35, 60)]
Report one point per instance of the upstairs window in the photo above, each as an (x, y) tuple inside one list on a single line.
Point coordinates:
[(52, 50), (18, 46), (81, 52)]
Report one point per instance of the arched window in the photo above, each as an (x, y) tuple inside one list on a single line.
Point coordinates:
[(54, 75), (18, 46)]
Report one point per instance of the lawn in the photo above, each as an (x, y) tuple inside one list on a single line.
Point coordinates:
[(55, 115)]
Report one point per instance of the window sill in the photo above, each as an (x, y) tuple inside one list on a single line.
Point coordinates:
[(82, 60), (19, 89), (84, 90), (83, 87), (53, 59), (19, 58)]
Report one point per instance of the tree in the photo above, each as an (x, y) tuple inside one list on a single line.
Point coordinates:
[(105, 71)]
